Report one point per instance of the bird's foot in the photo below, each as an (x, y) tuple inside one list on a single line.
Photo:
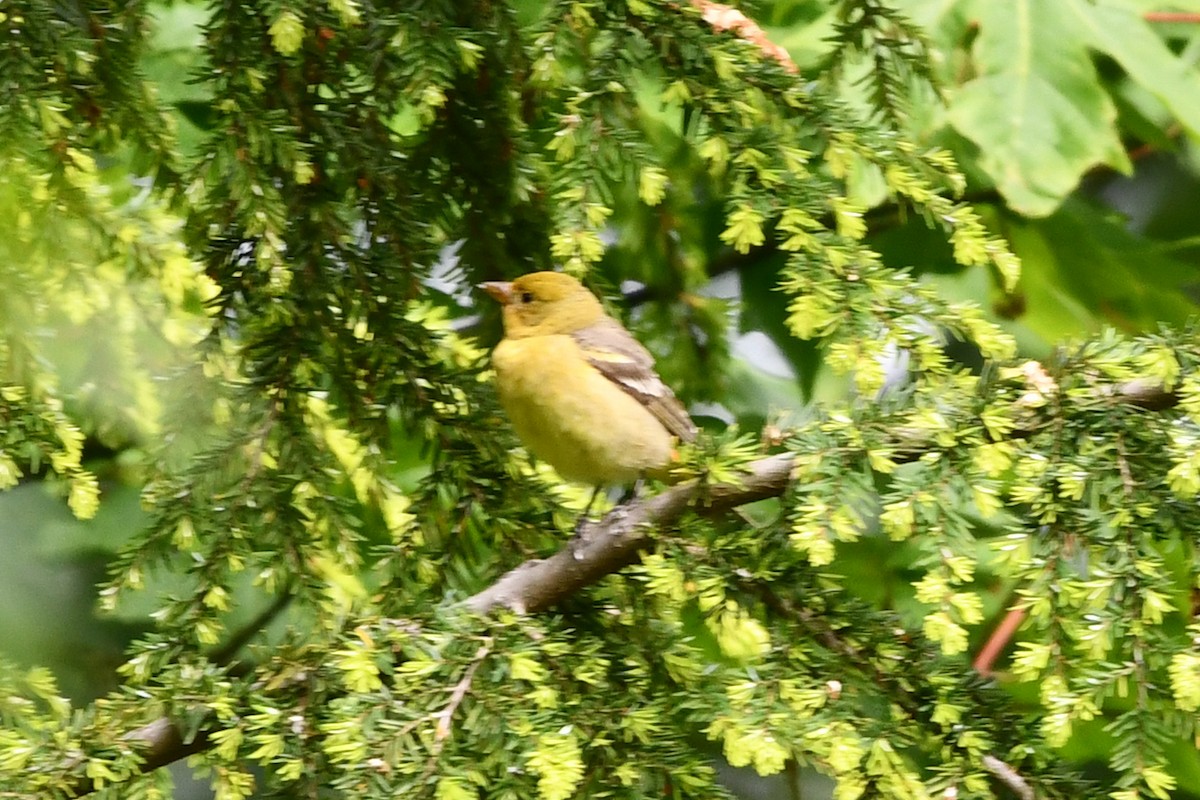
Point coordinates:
[(631, 493), (583, 515)]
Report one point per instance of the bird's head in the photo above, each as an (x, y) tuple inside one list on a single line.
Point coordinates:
[(544, 303)]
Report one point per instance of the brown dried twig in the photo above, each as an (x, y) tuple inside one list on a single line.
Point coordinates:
[(727, 18)]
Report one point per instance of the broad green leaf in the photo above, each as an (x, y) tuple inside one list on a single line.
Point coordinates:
[(1116, 28), (946, 23), (1037, 110), (1141, 116), (1051, 311), (808, 37), (1140, 289)]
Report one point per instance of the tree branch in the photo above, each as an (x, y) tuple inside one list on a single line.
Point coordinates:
[(1143, 393), (1009, 777), (727, 18), (160, 743), (226, 652), (605, 546), (166, 744), (616, 540)]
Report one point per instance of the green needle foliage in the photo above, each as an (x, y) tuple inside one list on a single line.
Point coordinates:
[(277, 307)]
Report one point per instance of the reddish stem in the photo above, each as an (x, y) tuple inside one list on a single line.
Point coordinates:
[(1171, 16), (998, 641)]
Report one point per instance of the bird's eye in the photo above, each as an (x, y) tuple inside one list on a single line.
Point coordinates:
[(526, 297)]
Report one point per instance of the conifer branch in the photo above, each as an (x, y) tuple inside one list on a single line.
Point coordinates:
[(605, 546), (615, 541)]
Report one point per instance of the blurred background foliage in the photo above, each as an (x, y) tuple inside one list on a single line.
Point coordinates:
[(1076, 125)]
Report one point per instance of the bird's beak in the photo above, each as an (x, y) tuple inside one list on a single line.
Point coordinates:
[(501, 291)]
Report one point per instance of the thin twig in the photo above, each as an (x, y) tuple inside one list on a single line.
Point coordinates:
[(1009, 777), (1171, 16), (225, 653), (457, 695), (443, 717), (1005, 773), (999, 639)]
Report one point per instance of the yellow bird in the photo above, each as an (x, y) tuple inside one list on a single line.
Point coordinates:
[(580, 391)]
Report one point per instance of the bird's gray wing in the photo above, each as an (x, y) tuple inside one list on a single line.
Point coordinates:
[(619, 357)]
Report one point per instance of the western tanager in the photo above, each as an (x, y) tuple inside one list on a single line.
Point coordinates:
[(580, 391)]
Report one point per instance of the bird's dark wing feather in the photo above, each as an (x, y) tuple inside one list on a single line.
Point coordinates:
[(622, 359)]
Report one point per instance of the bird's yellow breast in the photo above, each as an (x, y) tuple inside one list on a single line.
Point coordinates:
[(574, 418)]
